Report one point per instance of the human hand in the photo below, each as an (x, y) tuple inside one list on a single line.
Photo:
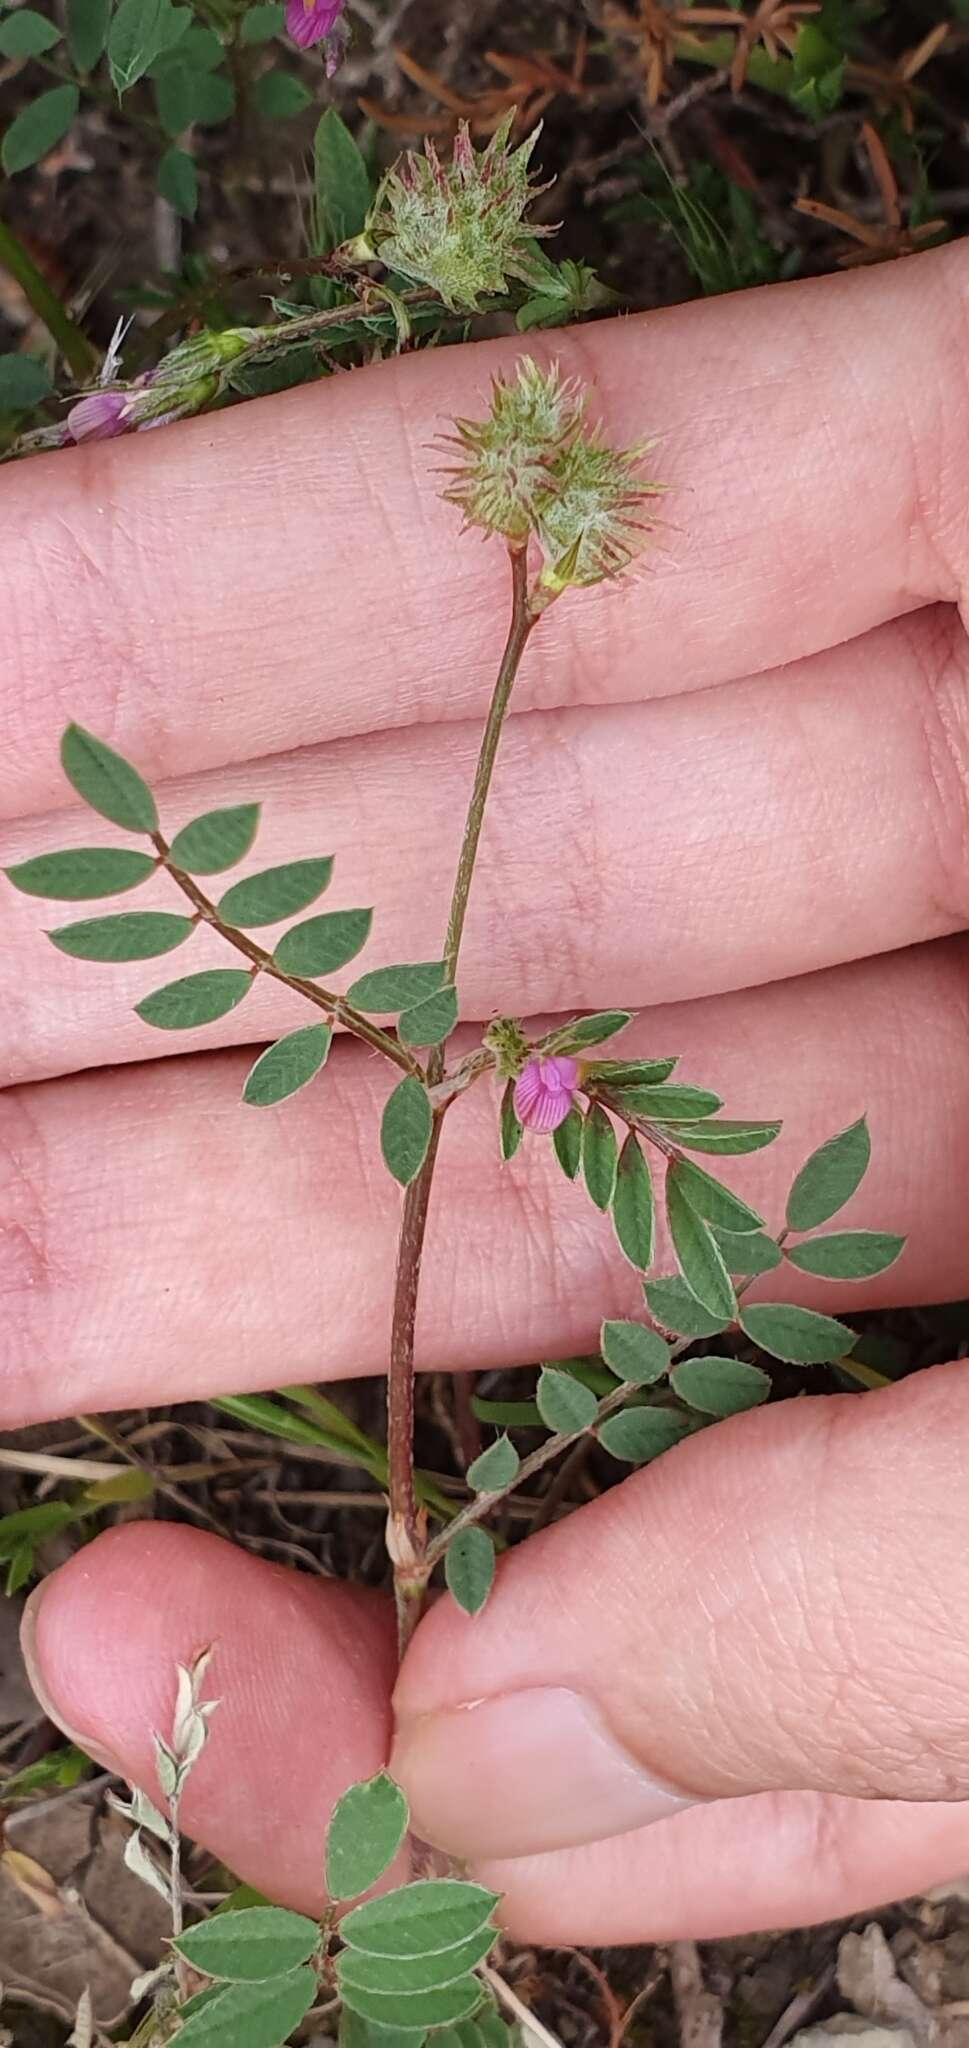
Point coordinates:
[(713, 805)]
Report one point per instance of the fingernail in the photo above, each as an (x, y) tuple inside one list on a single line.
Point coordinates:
[(31, 1656), (523, 1773)]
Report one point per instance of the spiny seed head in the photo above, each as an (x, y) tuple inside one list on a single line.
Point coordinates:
[(506, 1040), (533, 468), (457, 227), (592, 521), (502, 476)]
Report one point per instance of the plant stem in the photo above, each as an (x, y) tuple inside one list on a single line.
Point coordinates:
[(406, 1534), (74, 346), (336, 1006)]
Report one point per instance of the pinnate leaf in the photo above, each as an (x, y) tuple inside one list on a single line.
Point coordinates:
[(366, 1830), (247, 1948), (634, 1352), (469, 1567), (711, 1200), (495, 1468), (511, 1131), (633, 1208), (405, 1130), (719, 1386), (216, 840), (420, 1919), (387, 989), (797, 1335), (748, 1251), (287, 1066), (321, 944), (82, 872), (726, 1136), (829, 1177), (129, 935), (251, 2015), (36, 130), (431, 1021), (275, 893), (107, 781), (567, 1140), (699, 1256), (636, 1435), (847, 1254), (565, 1405), (198, 999), (600, 1157), (677, 1308)]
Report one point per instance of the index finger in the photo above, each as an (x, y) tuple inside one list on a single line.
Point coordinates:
[(285, 573)]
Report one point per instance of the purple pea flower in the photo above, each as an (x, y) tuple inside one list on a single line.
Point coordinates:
[(310, 21), (99, 416), (545, 1091)]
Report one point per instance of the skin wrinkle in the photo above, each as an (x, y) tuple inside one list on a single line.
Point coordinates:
[(943, 710)]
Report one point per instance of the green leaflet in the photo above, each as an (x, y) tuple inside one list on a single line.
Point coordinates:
[(129, 935), (619, 1074), (405, 1130), (27, 34), (796, 1335), (250, 2015), (23, 380), (140, 30), (280, 94), (431, 1021), (83, 872), (103, 778), (637, 1435), (495, 1468), (341, 183), (600, 1157), (511, 1132), (250, 1947), (366, 1830), (199, 999), (276, 893), (388, 989), (288, 1065), (322, 944), (711, 1200), (469, 1567), (565, 1405), (634, 1353), (389, 1974), (725, 1136), (748, 1251), (87, 30), (633, 1208), (420, 1919), (719, 1386), (699, 1256), (673, 1305), (216, 840), (829, 1177), (567, 1141), (583, 1031), (35, 131), (418, 2008), (847, 1254), (178, 182), (670, 1104)]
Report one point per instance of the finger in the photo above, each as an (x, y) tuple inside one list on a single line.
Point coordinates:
[(194, 568), (778, 1605), (778, 1859), (150, 1201), (302, 1669), (717, 836)]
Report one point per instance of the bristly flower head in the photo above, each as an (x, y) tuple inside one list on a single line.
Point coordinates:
[(501, 481), (545, 1091), (533, 468), (457, 227)]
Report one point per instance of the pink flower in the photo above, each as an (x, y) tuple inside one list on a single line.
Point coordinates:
[(309, 21), (99, 416), (545, 1091)]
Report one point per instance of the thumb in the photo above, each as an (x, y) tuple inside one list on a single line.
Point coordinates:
[(781, 1603)]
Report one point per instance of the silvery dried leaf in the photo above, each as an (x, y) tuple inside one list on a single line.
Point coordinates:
[(141, 1813), (139, 1862)]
